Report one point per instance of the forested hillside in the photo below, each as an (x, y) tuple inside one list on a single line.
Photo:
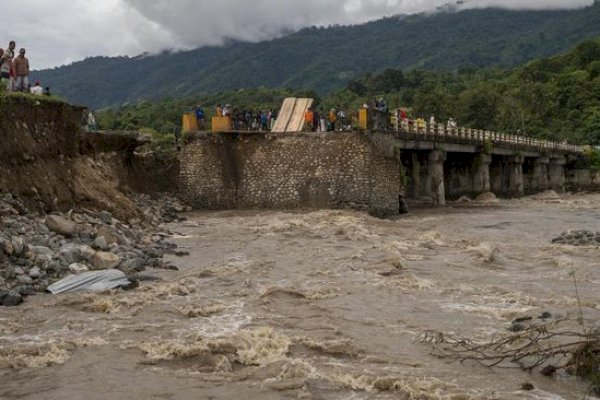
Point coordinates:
[(325, 59), (554, 98)]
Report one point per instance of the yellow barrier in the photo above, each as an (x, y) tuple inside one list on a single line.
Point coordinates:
[(190, 123), (221, 124), (363, 119)]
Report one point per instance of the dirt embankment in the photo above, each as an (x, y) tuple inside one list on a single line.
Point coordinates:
[(49, 162)]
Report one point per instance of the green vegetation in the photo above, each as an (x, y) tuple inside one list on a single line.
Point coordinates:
[(555, 98), (325, 59), (28, 96), (592, 159)]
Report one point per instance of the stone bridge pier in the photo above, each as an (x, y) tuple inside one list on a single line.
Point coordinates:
[(437, 175), (423, 173), (556, 173)]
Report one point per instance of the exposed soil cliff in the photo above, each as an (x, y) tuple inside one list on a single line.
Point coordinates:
[(49, 162)]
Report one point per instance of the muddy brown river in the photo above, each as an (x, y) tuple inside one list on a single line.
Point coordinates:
[(317, 305)]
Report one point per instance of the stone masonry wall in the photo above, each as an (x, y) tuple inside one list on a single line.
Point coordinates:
[(305, 170)]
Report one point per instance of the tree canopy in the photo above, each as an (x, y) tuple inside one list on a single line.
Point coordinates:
[(554, 98)]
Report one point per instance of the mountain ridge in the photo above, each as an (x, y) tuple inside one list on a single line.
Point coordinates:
[(325, 59)]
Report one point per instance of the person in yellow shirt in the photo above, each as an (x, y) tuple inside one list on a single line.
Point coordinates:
[(332, 120), (421, 124), (219, 111)]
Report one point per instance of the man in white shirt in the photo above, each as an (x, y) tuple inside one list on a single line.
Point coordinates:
[(38, 90)]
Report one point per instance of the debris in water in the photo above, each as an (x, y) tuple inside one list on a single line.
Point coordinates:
[(94, 281)]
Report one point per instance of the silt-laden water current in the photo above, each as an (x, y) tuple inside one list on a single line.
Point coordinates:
[(317, 305)]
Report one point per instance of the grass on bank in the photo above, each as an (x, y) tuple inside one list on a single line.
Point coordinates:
[(4, 96)]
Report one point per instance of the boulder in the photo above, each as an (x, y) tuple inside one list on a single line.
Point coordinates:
[(100, 243), (24, 290), (105, 217), (61, 225), (18, 245), (133, 265), (87, 253), (108, 234), (8, 248), (10, 298), (35, 272), (42, 250), (43, 260), (24, 279), (70, 252), (77, 268), (103, 260)]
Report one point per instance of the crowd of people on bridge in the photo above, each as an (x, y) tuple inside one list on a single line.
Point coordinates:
[(246, 118), (318, 119), (15, 70)]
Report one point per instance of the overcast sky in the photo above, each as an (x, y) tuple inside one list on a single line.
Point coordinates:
[(57, 32)]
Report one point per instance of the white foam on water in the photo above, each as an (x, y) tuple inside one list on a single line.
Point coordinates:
[(500, 311), (221, 325)]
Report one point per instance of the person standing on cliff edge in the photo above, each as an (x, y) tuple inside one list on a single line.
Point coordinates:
[(21, 68), (6, 65)]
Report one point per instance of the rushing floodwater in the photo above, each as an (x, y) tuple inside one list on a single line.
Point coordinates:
[(316, 305)]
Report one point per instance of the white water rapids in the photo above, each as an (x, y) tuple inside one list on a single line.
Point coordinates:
[(316, 305)]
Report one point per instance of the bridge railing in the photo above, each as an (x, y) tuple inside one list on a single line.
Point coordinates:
[(479, 135)]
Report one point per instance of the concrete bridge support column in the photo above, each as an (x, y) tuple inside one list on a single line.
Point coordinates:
[(516, 186), (556, 174), (416, 176), (481, 174), (540, 180), (435, 187)]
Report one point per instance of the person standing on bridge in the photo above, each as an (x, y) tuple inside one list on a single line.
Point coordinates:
[(403, 119), (264, 122), (316, 120), (248, 119), (309, 117), (332, 120), (200, 117), (452, 125), (341, 115), (421, 124), (323, 120)]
